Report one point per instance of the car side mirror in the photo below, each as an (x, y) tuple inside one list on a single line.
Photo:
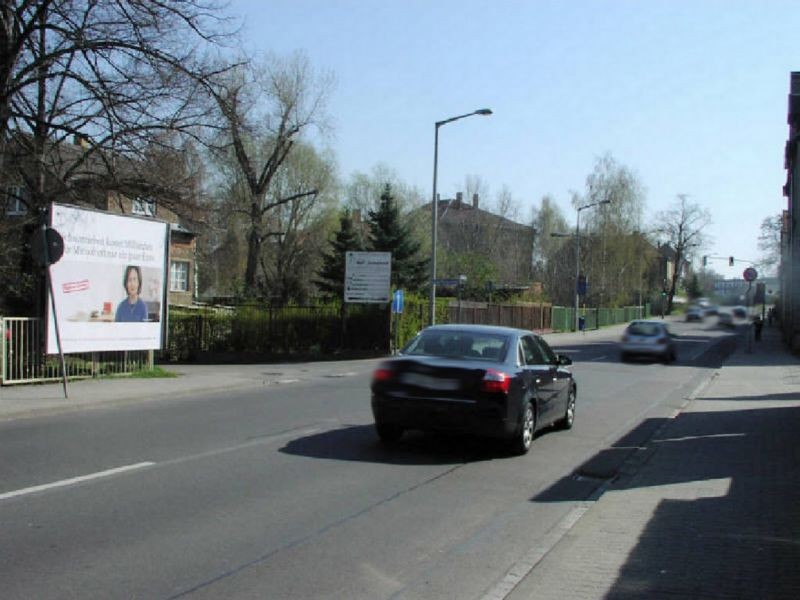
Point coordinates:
[(564, 360)]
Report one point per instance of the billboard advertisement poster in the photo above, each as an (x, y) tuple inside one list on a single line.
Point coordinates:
[(109, 288)]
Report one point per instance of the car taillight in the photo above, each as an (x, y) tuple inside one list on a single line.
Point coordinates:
[(496, 382), (382, 373), (661, 340)]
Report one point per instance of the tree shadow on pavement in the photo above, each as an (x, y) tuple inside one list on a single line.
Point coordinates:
[(361, 443), (713, 513)]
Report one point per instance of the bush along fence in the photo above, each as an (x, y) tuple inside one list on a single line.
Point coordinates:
[(540, 317), (250, 333)]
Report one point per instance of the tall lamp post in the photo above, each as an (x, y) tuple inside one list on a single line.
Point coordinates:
[(577, 236), (434, 203)]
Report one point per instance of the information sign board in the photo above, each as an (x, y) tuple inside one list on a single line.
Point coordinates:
[(368, 277)]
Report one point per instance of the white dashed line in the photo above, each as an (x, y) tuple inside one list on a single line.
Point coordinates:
[(73, 480)]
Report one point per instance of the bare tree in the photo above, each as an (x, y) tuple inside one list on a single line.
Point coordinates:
[(475, 184), (301, 225), (769, 242), (549, 262), (94, 95), (682, 227), (612, 251), (263, 111), (112, 76)]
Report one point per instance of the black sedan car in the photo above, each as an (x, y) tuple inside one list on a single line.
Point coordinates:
[(493, 381)]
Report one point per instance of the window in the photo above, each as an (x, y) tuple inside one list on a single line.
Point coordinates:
[(144, 206), (17, 198), (179, 276), (530, 353), (549, 356)]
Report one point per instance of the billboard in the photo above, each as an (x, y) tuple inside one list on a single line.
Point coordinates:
[(109, 288)]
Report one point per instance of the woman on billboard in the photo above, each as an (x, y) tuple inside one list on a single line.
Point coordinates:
[(132, 308)]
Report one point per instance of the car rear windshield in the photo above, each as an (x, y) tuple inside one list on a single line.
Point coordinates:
[(459, 344), (644, 329)]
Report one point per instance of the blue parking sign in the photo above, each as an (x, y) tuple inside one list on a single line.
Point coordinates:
[(398, 301)]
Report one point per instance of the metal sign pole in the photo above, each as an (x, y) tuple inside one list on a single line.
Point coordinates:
[(47, 262), (58, 334), (750, 325)]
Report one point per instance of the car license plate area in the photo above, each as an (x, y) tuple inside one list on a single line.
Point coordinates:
[(429, 382)]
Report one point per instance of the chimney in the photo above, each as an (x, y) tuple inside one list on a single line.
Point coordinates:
[(794, 83), (459, 199), (475, 201)]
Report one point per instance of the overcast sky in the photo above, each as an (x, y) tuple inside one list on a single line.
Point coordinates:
[(690, 95)]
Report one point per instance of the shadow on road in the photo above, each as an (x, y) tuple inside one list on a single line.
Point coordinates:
[(361, 443)]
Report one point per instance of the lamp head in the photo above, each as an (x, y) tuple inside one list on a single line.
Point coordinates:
[(483, 111)]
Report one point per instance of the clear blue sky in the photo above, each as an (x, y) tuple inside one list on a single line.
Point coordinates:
[(690, 95)]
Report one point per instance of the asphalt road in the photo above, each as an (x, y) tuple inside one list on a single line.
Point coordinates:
[(285, 492)]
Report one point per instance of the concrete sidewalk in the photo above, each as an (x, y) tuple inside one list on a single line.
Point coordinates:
[(709, 508)]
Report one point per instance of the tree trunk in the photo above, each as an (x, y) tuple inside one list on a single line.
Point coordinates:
[(674, 283), (253, 254)]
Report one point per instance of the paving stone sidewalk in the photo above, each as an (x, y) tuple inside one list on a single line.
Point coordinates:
[(710, 508)]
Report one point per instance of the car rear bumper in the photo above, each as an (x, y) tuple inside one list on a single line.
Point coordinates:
[(645, 350), (486, 419)]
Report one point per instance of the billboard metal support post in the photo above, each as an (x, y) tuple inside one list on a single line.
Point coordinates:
[(53, 308)]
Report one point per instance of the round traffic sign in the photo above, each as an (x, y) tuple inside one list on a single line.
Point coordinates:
[(47, 246), (750, 274)]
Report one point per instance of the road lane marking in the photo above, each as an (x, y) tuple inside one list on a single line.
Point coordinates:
[(260, 440), (74, 480), (253, 442)]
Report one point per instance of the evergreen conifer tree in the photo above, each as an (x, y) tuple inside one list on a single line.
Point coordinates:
[(389, 234), (331, 275)]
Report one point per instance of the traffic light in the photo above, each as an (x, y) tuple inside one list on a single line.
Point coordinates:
[(705, 260), (730, 261)]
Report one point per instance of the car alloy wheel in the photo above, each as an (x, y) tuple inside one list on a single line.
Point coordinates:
[(524, 436), (568, 420)]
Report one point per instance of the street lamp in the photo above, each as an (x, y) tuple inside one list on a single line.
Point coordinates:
[(577, 237), (434, 203)]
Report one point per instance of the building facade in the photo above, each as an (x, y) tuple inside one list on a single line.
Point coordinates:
[(789, 307)]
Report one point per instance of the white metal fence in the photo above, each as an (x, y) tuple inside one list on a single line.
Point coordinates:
[(23, 359)]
